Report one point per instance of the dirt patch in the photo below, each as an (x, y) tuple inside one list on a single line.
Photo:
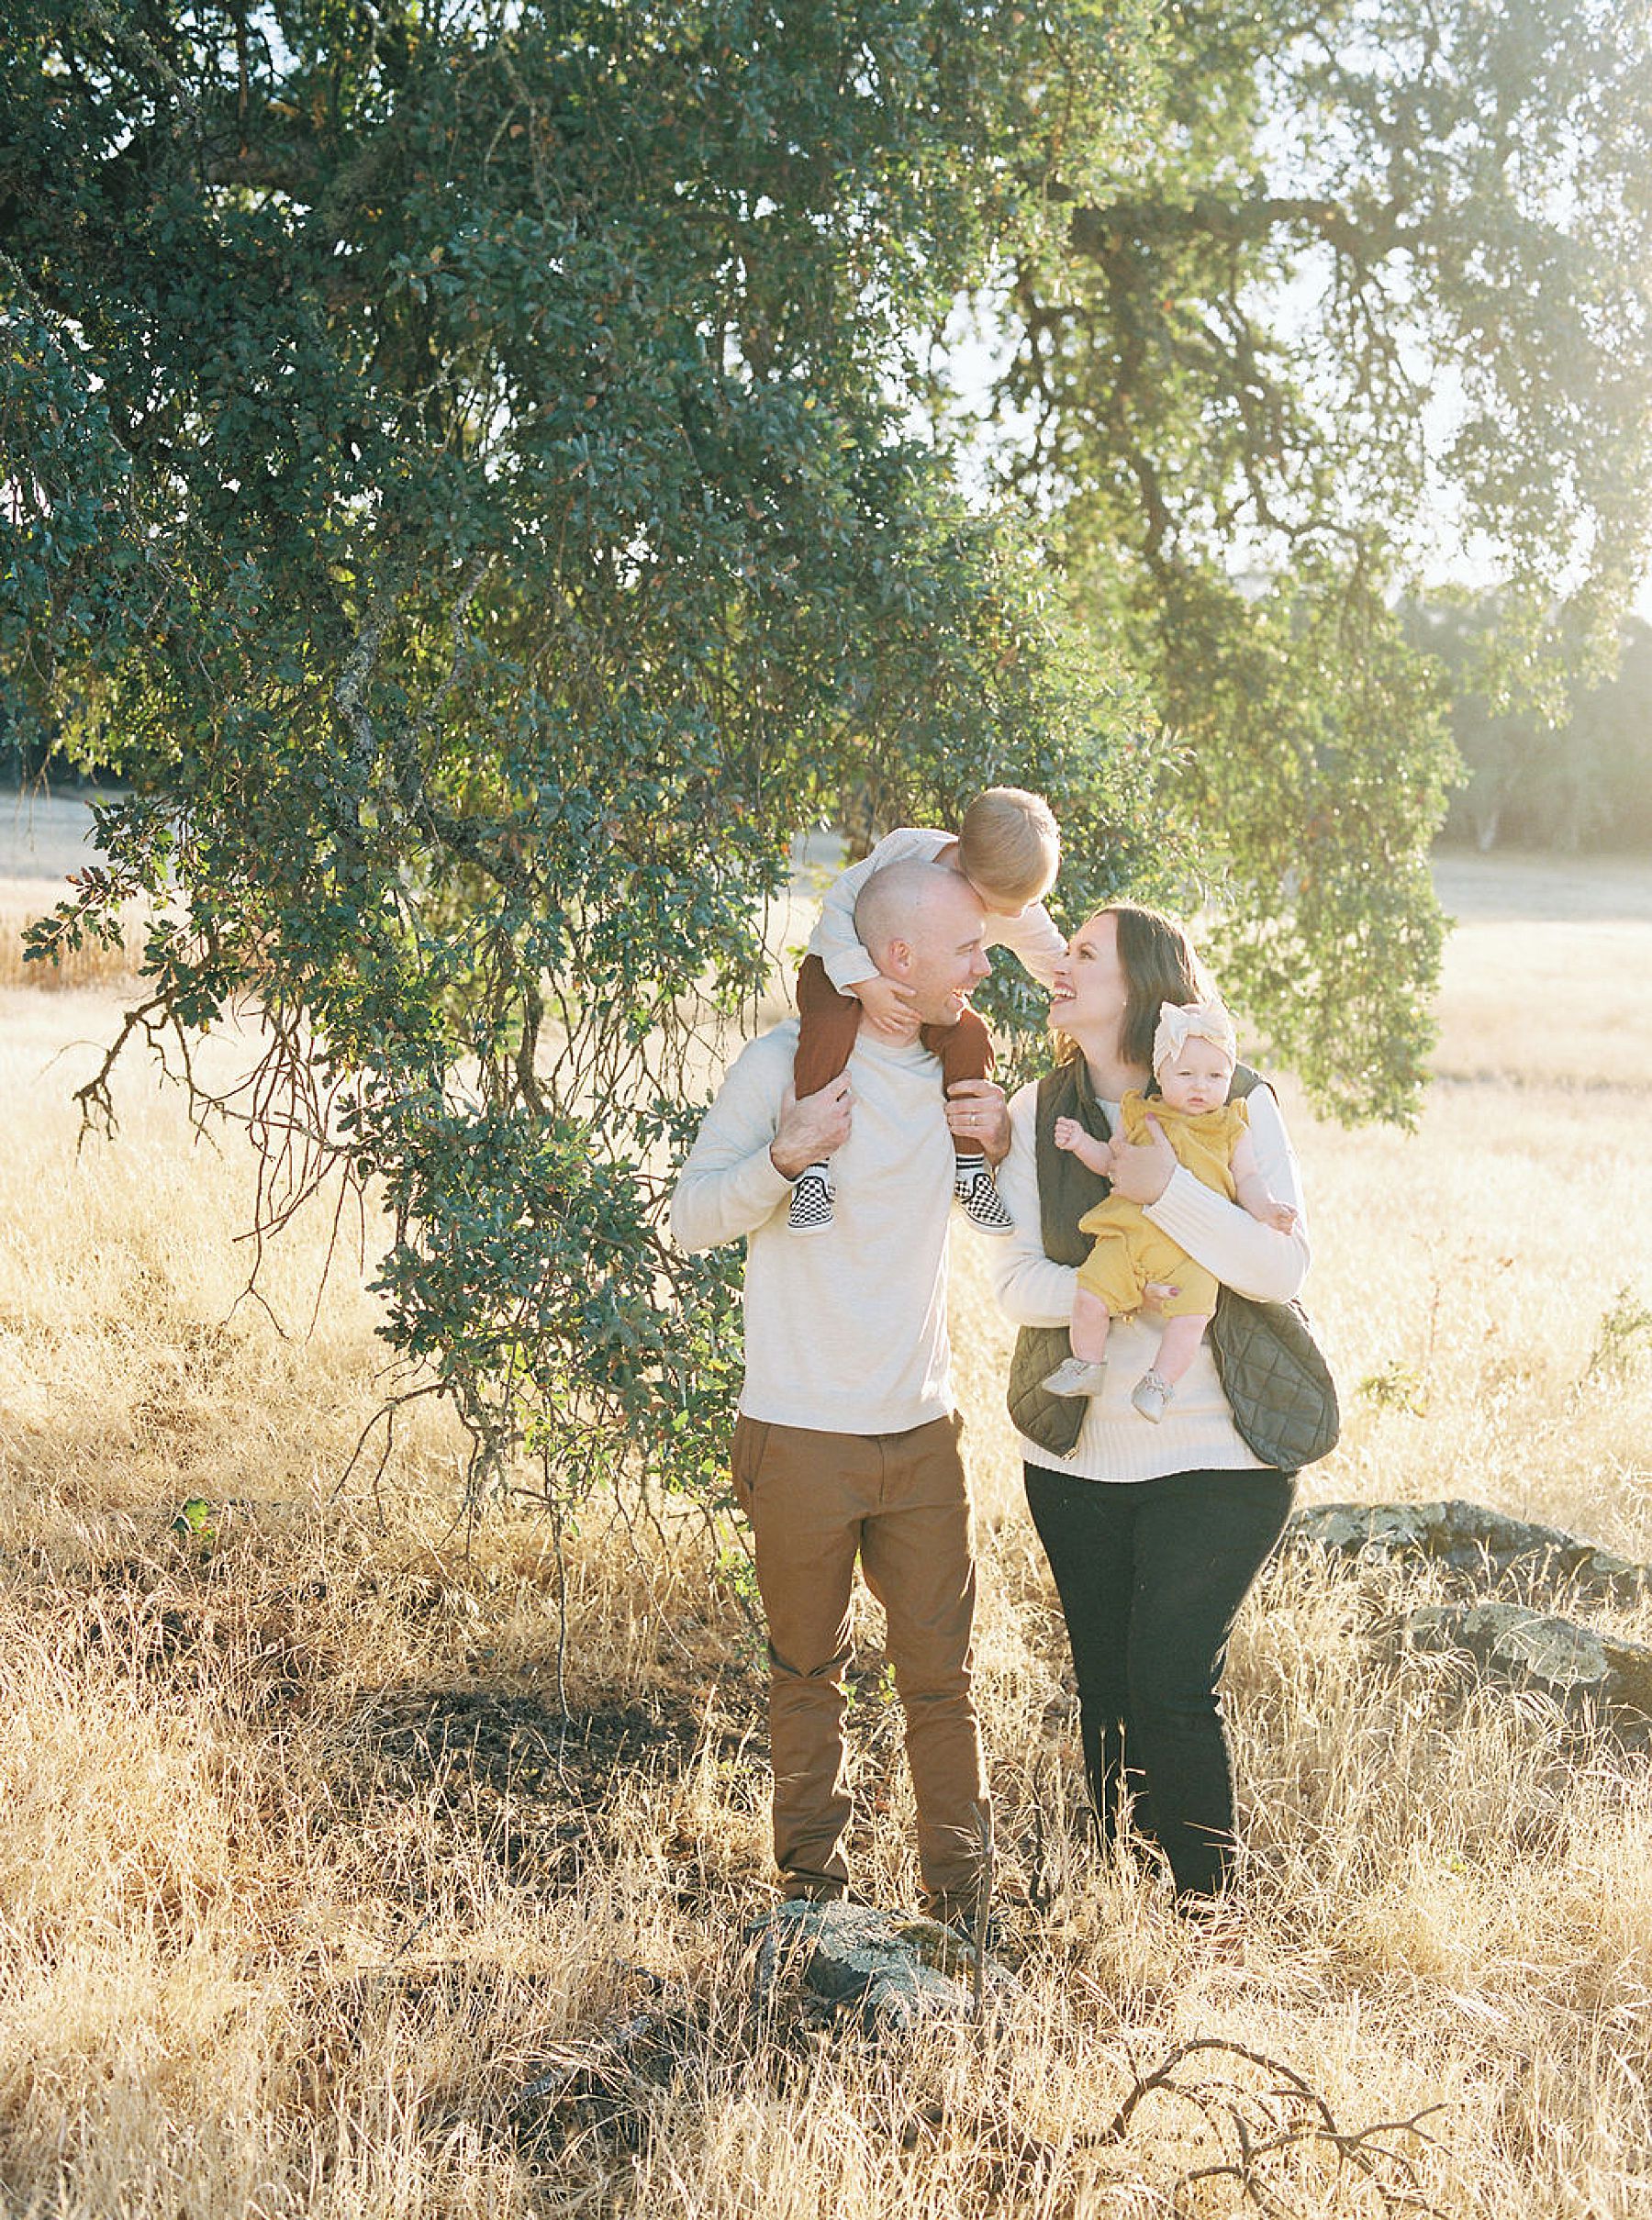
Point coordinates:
[(504, 1777)]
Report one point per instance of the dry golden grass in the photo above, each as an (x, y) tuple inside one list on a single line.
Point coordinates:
[(92, 965), (301, 1878)]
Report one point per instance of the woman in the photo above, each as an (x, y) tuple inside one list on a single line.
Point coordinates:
[(1154, 1532)]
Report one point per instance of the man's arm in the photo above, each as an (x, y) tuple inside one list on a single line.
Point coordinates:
[(756, 1139)]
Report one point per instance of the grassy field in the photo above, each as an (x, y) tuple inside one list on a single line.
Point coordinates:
[(302, 1878)]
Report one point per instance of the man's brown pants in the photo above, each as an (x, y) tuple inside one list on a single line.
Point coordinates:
[(900, 1502)]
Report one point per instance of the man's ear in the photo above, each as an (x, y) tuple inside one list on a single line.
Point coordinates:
[(897, 959)]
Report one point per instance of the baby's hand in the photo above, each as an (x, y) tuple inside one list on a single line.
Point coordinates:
[(1281, 1217), (1070, 1134), (886, 1002)]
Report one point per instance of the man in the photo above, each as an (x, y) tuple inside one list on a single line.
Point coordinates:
[(846, 1442)]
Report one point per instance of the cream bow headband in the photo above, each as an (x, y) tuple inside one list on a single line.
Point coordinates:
[(1181, 1022)]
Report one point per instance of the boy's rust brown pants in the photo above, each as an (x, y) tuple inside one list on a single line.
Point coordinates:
[(828, 1024), (899, 1502)]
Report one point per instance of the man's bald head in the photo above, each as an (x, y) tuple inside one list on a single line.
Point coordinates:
[(921, 925), (910, 902)]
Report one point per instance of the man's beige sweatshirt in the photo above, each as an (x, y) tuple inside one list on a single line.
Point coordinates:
[(845, 1330)]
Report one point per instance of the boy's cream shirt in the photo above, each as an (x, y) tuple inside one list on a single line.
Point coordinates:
[(1031, 936)]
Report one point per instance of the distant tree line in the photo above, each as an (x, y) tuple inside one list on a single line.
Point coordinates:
[(1572, 773), (32, 757)]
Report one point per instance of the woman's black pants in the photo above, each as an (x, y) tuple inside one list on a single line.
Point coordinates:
[(1151, 1575)]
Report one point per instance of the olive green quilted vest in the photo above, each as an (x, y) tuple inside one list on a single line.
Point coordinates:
[(1276, 1382)]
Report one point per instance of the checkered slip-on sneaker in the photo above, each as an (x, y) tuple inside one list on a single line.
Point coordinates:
[(983, 1205), (809, 1210)]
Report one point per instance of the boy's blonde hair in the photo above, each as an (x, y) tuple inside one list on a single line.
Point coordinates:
[(1010, 845)]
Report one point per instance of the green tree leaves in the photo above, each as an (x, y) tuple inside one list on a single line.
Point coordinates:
[(1379, 289), (465, 480), (463, 472)]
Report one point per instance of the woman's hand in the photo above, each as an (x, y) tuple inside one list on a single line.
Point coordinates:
[(978, 1117), (1140, 1172)]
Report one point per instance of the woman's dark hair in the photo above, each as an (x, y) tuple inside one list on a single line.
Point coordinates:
[(1158, 962)]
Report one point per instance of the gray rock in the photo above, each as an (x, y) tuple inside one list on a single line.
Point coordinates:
[(1468, 1539), (1582, 1669), (894, 1969), (1579, 1668)]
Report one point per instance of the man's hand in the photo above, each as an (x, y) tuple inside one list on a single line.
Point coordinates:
[(810, 1128), (979, 1117), (1141, 1174), (887, 1003)]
